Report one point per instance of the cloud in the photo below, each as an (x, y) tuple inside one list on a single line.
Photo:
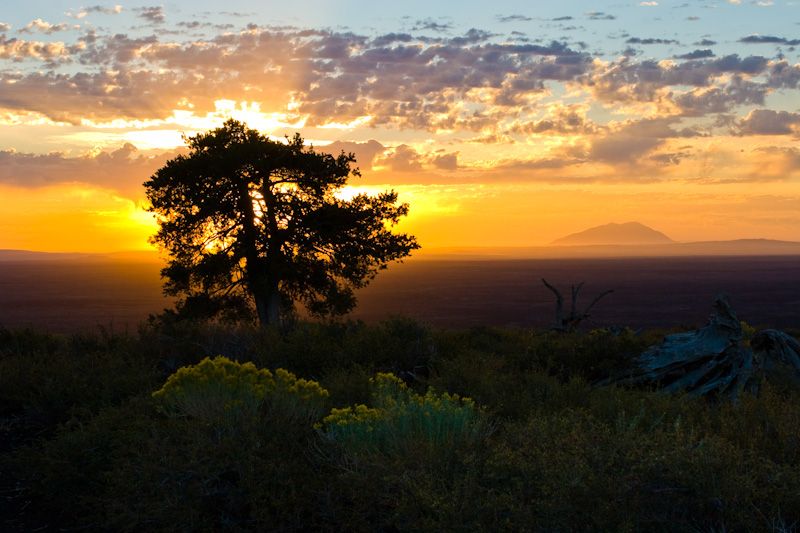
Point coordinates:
[(493, 138), (652, 82), (616, 149), (768, 39), (154, 15), (39, 25), (784, 75), (768, 122), (697, 54), (100, 9), (18, 50), (122, 170), (559, 120), (404, 158), (775, 163), (452, 83), (636, 40), (365, 152), (431, 25), (595, 15), (513, 18), (703, 101)]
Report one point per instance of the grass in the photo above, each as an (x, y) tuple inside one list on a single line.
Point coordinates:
[(482, 429)]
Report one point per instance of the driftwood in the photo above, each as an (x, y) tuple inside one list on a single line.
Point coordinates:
[(571, 321), (714, 358)]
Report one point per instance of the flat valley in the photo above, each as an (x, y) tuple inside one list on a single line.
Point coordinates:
[(67, 295)]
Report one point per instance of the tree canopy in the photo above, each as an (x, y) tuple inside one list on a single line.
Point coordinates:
[(249, 222)]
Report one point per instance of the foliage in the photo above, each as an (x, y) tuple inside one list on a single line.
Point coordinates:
[(221, 391), (247, 219), (83, 444), (402, 420)]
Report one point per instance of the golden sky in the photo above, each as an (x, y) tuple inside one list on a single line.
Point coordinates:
[(508, 123)]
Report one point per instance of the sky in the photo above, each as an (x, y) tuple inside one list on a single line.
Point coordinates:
[(504, 123)]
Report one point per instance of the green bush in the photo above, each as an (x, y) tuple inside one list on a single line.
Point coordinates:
[(402, 419), (227, 393)]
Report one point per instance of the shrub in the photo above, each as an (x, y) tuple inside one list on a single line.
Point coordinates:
[(226, 393), (402, 419)]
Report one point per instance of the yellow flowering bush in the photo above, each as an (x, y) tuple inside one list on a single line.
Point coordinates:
[(220, 390), (402, 419)]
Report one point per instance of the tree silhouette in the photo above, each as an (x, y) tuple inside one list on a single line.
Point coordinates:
[(251, 222)]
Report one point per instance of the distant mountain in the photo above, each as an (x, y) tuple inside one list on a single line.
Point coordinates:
[(614, 234), (27, 256)]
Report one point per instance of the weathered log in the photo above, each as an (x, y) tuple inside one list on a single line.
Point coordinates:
[(773, 348), (713, 358), (571, 321)]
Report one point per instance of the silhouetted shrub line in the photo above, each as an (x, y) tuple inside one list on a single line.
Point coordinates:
[(346, 426)]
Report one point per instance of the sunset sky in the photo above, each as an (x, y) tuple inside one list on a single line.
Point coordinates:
[(504, 123)]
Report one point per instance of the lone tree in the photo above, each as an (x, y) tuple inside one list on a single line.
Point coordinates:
[(248, 221)]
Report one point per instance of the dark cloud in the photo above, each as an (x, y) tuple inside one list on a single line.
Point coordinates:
[(596, 15), (626, 81), (701, 102), (697, 54), (514, 18), (154, 15), (559, 19), (784, 75), (431, 25), (768, 39), (706, 42), (391, 38), (472, 36), (637, 40)]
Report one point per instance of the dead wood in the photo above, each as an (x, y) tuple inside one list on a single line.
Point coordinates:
[(571, 321), (713, 358), (773, 348)]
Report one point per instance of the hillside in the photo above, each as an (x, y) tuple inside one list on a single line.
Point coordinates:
[(614, 234)]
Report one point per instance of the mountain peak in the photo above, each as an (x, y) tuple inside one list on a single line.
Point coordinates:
[(614, 234)]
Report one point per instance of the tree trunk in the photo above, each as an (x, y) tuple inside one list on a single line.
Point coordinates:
[(273, 305), (262, 285)]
